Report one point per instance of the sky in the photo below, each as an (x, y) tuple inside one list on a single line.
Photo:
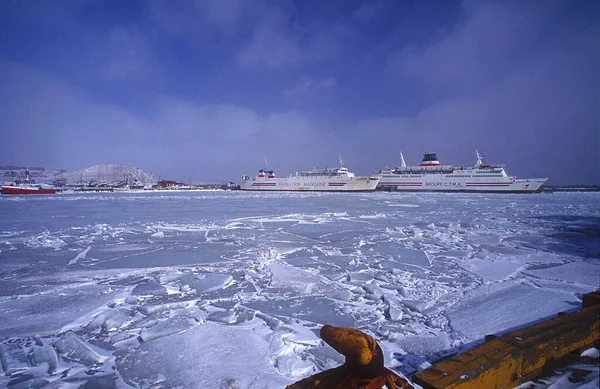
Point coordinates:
[(210, 89)]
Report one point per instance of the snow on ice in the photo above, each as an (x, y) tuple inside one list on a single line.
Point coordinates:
[(160, 290)]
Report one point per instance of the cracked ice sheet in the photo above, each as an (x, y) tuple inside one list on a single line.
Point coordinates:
[(396, 272), (207, 356), (498, 266), (587, 273), (499, 308), (47, 312)]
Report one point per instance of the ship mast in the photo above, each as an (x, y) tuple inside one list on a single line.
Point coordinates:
[(402, 163), (479, 161)]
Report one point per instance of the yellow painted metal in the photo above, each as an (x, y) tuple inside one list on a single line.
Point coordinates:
[(515, 357), (492, 365)]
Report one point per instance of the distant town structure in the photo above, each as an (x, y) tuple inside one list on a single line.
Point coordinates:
[(165, 184), (121, 177)]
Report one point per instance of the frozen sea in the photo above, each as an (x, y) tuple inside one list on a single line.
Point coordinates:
[(225, 289)]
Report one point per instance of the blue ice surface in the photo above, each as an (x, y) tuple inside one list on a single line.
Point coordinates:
[(406, 268)]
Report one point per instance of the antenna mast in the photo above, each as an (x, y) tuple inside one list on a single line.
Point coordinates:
[(479, 161)]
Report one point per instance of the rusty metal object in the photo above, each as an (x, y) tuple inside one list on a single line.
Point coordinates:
[(363, 368)]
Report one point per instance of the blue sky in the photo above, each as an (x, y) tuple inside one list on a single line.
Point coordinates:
[(209, 88)]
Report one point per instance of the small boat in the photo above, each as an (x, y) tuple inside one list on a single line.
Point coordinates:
[(26, 186)]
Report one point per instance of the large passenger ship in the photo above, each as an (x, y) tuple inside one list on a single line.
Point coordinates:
[(431, 176), (323, 180)]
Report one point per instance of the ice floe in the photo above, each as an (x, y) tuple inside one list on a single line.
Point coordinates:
[(186, 295)]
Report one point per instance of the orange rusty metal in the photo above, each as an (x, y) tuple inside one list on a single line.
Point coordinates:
[(363, 368), (363, 355)]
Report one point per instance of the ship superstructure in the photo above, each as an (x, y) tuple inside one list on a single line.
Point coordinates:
[(432, 176), (323, 180)]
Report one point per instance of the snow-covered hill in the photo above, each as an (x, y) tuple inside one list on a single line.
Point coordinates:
[(110, 174), (104, 173)]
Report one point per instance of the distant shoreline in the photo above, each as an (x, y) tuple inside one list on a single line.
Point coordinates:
[(571, 188)]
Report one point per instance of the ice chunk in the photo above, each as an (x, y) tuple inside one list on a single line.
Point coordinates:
[(591, 353), (402, 255), (578, 272), (3, 361), (359, 291), (109, 319), (149, 288), (73, 346), (360, 276), (206, 356), (415, 305), (294, 366), (238, 315), (245, 315), (79, 256), (374, 292), (226, 317), (169, 277), (159, 234), (424, 345), (27, 381), (150, 309), (204, 283), (491, 270), (12, 357), (310, 308), (117, 320), (45, 354), (300, 280), (340, 294), (168, 327), (120, 339), (272, 322), (394, 307)]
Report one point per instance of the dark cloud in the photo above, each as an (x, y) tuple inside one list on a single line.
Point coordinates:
[(210, 88), (514, 79)]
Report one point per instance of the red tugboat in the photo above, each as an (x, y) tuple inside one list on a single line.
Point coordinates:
[(26, 186)]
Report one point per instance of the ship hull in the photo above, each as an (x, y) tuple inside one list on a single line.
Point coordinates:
[(450, 184), (15, 190), (311, 184)]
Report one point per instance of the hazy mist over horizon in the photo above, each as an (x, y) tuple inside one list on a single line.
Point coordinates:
[(209, 88)]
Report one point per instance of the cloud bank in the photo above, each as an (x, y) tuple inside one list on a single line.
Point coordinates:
[(209, 89)]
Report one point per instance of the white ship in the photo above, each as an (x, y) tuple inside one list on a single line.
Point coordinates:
[(431, 176), (323, 180)]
